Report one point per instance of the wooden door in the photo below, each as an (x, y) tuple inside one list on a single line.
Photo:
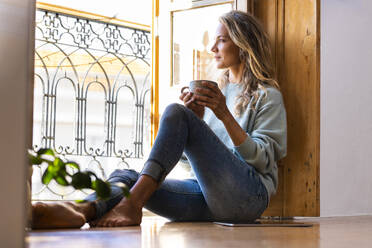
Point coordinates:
[(294, 30)]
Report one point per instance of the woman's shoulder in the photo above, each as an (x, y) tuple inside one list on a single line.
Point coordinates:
[(271, 95)]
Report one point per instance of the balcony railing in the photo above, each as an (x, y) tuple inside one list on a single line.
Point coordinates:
[(92, 83)]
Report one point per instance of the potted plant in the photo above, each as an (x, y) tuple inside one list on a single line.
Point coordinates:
[(57, 170)]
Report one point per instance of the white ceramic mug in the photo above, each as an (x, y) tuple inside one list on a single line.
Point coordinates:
[(197, 84)]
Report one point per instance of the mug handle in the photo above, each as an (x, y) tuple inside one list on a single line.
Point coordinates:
[(184, 88)]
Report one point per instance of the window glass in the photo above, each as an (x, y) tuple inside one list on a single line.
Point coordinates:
[(193, 37)]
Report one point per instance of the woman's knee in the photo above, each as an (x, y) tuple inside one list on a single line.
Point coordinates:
[(175, 108), (174, 112)]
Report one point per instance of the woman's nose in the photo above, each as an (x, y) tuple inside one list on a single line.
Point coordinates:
[(214, 48)]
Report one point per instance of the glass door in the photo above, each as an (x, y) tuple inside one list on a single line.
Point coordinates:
[(186, 33)]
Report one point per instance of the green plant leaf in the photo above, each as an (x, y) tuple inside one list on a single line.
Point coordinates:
[(45, 151), (47, 177), (47, 160), (81, 180), (59, 163), (35, 160), (57, 170), (103, 189), (61, 180), (92, 174), (73, 165), (53, 169)]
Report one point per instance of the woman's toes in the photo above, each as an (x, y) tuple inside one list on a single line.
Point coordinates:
[(120, 223), (93, 223), (100, 224), (104, 224)]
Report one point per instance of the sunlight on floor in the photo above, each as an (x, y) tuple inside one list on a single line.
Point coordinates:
[(337, 232)]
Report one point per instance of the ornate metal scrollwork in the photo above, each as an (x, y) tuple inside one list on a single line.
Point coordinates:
[(87, 55)]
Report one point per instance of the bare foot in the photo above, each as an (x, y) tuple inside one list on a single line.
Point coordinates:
[(56, 215), (126, 213)]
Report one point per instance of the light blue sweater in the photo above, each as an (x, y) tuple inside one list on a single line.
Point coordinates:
[(266, 127)]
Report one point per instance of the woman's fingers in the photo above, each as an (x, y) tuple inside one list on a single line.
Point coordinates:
[(207, 104), (188, 100), (212, 87), (183, 95), (203, 98), (206, 92), (189, 97), (190, 103), (212, 98)]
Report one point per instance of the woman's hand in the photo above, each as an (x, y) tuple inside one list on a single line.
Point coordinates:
[(189, 102), (216, 101), (212, 98)]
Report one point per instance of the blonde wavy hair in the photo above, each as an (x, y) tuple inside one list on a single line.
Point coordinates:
[(255, 51)]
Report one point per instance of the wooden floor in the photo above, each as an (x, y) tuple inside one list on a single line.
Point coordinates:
[(350, 232)]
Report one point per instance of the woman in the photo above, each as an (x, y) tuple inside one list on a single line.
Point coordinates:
[(232, 135)]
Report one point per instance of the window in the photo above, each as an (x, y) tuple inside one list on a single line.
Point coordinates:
[(186, 33), (192, 36), (91, 94)]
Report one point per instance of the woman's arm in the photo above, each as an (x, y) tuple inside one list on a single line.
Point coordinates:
[(267, 140), (236, 133)]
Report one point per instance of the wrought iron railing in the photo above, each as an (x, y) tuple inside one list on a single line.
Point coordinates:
[(78, 61)]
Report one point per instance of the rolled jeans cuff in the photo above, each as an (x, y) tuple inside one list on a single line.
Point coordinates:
[(154, 170)]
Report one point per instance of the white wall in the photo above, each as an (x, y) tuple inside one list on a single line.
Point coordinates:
[(346, 108), (16, 67)]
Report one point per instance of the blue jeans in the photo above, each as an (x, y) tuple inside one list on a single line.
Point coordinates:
[(226, 189)]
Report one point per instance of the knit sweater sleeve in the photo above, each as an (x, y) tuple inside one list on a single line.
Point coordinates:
[(267, 141)]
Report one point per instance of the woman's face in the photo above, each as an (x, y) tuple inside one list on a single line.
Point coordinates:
[(225, 51)]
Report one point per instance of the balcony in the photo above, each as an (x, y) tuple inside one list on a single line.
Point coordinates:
[(91, 94)]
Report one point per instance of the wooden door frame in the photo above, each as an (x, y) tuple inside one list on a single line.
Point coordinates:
[(294, 29)]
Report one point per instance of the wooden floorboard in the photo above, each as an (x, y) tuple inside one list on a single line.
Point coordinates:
[(350, 232)]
